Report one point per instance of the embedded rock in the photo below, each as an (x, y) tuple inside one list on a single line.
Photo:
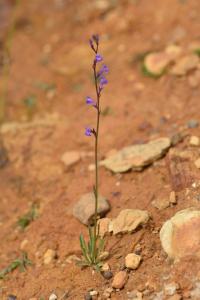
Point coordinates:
[(119, 280), (185, 64), (104, 226), (84, 209), (132, 261), (49, 256), (194, 140), (53, 297), (128, 220), (137, 157), (156, 63), (197, 163), (161, 204), (171, 288), (180, 235), (70, 158)]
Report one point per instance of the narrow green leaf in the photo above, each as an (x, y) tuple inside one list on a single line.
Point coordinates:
[(84, 248)]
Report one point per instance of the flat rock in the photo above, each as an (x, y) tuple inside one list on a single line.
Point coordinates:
[(70, 158), (161, 204), (84, 209), (171, 288), (119, 280), (194, 141), (137, 157), (128, 220), (180, 235), (134, 295), (157, 62), (185, 64)]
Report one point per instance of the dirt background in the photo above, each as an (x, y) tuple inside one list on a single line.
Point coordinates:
[(50, 44)]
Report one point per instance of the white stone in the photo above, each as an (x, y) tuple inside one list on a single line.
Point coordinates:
[(53, 297)]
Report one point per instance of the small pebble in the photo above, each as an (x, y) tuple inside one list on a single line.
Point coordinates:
[(192, 124), (49, 256), (11, 297), (107, 275), (53, 297), (194, 141), (132, 261), (105, 267), (88, 296), (172, 197), (119, 280), (197, 163), (104, 255), (93, 293)]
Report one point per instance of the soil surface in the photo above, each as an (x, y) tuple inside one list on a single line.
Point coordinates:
[(49, 77)]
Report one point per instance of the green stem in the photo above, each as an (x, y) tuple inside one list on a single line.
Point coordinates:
[(96, 166)]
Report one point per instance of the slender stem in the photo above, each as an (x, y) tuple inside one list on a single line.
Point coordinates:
[(96, 163)]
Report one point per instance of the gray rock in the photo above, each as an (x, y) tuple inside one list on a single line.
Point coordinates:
[(192, 124), (107, 274), (137, 157), (84, 209), (177, 138), (11, 297)]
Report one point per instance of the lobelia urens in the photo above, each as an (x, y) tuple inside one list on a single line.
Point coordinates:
[(92, 250)]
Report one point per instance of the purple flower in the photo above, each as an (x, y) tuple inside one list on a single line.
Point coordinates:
[(98, 58), (104, 69), (88, 131), (103, 81), (89, 101)]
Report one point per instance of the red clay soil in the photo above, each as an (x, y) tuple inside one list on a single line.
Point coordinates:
[(50, 45)]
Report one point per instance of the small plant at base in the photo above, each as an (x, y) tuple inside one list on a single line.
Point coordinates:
[(20, 263), (29, 217), (92, 250)]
